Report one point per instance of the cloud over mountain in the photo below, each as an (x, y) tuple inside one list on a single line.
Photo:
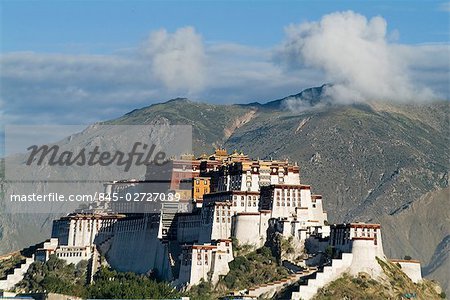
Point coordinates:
[(344, 48), (177, 59), (355, 55)]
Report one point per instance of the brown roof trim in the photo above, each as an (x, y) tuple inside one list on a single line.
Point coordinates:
[(224, 240), (364, 225), (205, 247), (414, 261), (299, 186), (356, 225), (231, 193)]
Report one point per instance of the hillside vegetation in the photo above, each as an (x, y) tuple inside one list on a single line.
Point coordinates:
[(396, 285), (7, 265), (56, 276), (246, 271)]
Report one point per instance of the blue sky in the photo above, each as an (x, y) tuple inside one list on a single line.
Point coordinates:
[(78, 62), (105, 26)]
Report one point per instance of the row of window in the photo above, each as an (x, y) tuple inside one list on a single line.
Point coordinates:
[(223, 219), (254, 198), (70, 254), (364, 232), (287, 192), (288, 203), (197, 181), (243, 203)]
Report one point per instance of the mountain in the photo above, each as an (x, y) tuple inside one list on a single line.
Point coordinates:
[(307, 98), (375, 162)]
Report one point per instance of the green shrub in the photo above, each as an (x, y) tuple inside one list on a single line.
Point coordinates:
[(111, 284)]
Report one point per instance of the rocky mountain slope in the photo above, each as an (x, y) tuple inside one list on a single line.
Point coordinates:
[(377, 162)]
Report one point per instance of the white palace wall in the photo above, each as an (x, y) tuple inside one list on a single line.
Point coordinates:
[(410, 268), (251, 228), (135, 247), (364, 257)]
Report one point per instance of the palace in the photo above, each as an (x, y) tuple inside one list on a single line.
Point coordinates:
[(223, 198)]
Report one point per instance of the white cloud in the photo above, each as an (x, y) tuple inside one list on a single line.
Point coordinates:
[(355, 56), (343, 48), (178, 59)]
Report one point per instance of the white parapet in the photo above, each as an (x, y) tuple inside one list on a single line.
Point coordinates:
[(411, 268), (329, 273), (14, 278)]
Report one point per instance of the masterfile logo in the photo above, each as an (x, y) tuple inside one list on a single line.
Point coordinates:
[(53, 155), (78, 165), (97, 153)]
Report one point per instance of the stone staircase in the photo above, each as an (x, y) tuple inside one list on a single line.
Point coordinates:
[(268, 290), (16, 275), (327, 275), (293, 266)]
